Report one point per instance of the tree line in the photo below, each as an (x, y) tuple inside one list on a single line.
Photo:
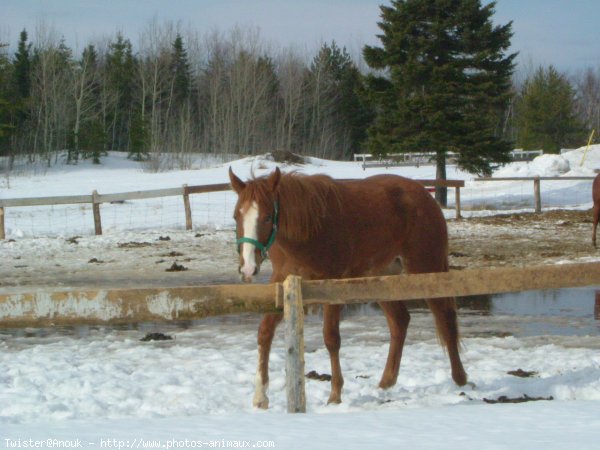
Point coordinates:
[(220, 93), (176, 94)]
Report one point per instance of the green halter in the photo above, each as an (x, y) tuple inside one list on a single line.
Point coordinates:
[(263, 248)]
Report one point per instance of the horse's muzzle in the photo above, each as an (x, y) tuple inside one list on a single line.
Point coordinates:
[(246, 275)]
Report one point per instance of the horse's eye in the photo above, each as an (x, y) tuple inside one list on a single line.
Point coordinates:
[(267, 219)]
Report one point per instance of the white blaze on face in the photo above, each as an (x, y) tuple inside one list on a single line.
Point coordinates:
[(250, 231)]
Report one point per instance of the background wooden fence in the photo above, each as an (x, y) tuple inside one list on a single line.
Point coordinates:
[(537, 191), (96, 199), (135, 305)]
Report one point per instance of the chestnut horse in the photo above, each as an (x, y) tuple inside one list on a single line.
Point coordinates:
[(320, 228), (596, 209)]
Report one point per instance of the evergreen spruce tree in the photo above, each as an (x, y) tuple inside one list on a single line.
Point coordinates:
[(180, 67), (120, 67), (22, 67), (446, 81), (21, 82), (5, 106), (139, 136), (92, 136), (546, 113)]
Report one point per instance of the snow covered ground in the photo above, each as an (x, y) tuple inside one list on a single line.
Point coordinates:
[(102, 387)]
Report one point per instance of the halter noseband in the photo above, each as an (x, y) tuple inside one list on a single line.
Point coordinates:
[(263, 248)]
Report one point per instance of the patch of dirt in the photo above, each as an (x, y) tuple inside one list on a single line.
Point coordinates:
[(176, 268), (522, 373), (313, 375), (156, 337), (173, 254), (524, 398), (134, 244), (285, 156), (521, 239)]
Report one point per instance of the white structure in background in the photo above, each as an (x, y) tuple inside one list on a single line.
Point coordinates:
[(421, 158)]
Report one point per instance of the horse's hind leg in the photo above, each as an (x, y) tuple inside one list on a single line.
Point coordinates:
[(331, 336), (444, 311), (596, 219), (266, 330), (397, 318)]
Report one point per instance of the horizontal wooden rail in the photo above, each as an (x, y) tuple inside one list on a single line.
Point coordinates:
[(46, 201), (450, 284), (443, 183), (534, 178), (208, 188), (139, 195), (117, 197), (135, 305)]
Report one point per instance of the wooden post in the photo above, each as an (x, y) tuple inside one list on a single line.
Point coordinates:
[(293, 314), (96, 209), (2, 232), (457, 202), (537, 195), (188, 209)]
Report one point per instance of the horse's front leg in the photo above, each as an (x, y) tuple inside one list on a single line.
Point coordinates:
[(398, 318), (331, 335), (266, 330)]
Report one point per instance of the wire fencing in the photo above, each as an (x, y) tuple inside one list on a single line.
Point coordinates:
[(211, 207)]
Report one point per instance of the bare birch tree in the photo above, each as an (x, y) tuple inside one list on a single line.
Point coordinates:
[(50, 102), (290, 69)]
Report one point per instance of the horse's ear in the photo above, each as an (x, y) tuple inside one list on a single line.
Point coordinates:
[(236, 184), (274, 179)]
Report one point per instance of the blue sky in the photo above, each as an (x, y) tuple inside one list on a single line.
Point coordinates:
[(559, 32)]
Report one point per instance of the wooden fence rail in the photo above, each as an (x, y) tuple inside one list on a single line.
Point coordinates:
[(537, 192), (96, 199), (134, 305)]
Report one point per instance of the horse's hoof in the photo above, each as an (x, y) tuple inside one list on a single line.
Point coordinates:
[(335, 399), (261, 404), (386, 384), (459, 377)]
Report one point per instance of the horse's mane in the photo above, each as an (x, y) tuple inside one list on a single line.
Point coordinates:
[(304, 202)]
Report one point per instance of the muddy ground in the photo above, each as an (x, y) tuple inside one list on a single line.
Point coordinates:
[(153, 259), (551, 237)]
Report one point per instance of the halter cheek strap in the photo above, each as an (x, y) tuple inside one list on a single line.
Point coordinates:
[(264, 248)]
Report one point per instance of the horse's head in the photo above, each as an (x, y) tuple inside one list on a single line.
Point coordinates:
[(256, 215)]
